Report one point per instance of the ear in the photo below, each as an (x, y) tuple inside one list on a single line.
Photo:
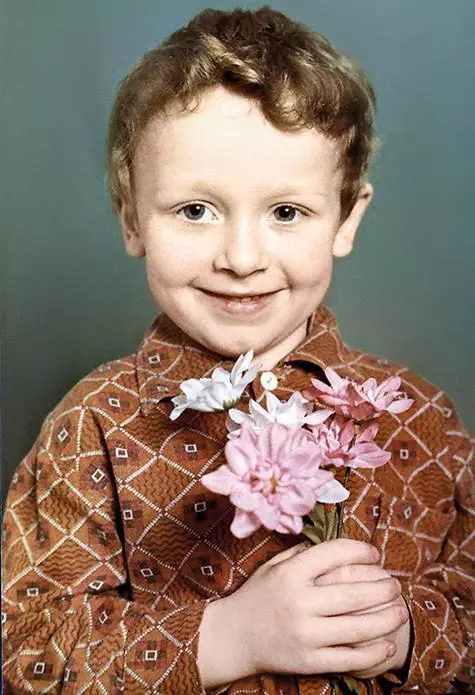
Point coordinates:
[(345, 236), (131, 231)]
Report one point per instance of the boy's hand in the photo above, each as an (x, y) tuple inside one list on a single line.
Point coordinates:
[(401, 637), (279, 620)]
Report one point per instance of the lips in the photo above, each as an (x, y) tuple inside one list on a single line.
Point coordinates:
[(245, 305), (238, 297)]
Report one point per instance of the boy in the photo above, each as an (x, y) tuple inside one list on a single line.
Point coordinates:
[(238, 154)]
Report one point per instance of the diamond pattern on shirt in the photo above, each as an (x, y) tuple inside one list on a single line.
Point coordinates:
[(112, 545)]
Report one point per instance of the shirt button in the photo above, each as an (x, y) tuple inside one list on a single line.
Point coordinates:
[(269, 381)]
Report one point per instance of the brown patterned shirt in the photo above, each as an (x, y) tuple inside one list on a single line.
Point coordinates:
[(112, 546)]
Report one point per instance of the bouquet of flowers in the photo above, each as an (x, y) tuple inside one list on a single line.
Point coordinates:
[(279, 459)]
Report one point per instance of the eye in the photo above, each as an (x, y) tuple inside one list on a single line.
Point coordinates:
[(196, 212), (287, 213)]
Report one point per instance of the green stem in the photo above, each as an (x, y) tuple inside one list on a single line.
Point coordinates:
[(341, 505)]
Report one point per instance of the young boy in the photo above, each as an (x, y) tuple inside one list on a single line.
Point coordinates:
[(238, 154)]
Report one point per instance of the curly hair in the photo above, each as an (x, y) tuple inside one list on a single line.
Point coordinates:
[(295, 75)]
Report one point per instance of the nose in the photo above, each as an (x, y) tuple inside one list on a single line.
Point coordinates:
[(243, 249)]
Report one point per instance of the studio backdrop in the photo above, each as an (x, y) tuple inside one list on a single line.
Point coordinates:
[(72, 299)]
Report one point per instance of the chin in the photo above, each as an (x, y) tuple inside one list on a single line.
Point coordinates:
[(232, 351), (230, 347)]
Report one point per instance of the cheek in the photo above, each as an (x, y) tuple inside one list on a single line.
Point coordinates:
[(309, 264), (170, 262)]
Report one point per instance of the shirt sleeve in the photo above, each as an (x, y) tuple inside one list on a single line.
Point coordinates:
[(68, 623), (441, 598)]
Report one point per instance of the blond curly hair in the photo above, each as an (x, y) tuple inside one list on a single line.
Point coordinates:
[(297, 77)]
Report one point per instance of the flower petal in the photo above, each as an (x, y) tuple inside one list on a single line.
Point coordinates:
[(332, 492), (244, 499), (336, 381), (242, 363), (346, 433), (299, 500), (222, 481), (238, 416), (243, 373), (272, 402), (221, 375), (290, 524), (370, 385), (258, 413), (181, 404), (391, 384), (272, 441), (193, 387), (244, 524), (400, 405), (367, 455), (367, 433), (268, 515), (240, 459), (318, 416)]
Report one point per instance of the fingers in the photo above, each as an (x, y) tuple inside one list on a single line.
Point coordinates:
[(325, 557), (287, 554), (394, 602), (348, 629), (348, 574), (358, 596), (354, 660)]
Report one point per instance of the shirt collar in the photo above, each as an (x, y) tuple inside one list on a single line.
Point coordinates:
[(168, 356)]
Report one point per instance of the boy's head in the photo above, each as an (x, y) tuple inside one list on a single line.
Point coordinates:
[(238, 151), (298, 79)]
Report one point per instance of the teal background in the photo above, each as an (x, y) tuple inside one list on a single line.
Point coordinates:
[(71, 298)]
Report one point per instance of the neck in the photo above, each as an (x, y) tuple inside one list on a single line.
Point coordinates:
[(267, 360)]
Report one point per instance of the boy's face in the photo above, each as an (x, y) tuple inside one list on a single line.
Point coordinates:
[(239, 223)]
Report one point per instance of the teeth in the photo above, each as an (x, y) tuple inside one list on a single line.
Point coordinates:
[(245, 299), (240, 300)]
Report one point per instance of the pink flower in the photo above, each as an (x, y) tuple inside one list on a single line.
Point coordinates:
[(333, 440), (273, 477), (359, 401), (343, 443), (335, 395), (365, 453), (385, 396)]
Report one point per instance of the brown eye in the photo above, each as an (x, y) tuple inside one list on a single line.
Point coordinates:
[(286, 213)]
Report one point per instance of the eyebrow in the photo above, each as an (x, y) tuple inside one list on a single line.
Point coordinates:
[(207, 187)]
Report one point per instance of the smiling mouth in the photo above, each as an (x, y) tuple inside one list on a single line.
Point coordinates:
[(239, 298), (241, 305)]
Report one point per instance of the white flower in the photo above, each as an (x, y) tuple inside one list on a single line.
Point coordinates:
[(220, 392), (295, 412)]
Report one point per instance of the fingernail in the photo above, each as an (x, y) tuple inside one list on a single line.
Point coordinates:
[(391, 649)]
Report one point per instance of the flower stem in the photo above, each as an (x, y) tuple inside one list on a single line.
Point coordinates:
[(341, 505)]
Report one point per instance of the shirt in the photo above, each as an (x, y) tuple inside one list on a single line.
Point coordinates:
[(112, 546)]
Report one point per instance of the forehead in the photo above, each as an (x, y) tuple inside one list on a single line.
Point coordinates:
[(227, 135)]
